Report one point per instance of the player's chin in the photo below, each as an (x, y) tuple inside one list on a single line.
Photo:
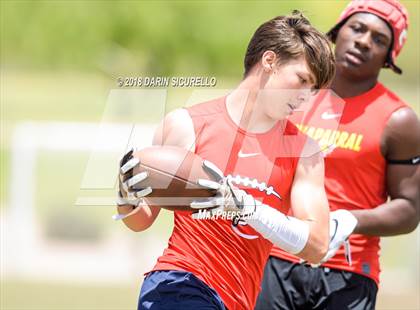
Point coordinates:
[(351, 70)]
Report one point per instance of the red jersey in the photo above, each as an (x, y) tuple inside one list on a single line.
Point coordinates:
[(355, 169), (231, 259)]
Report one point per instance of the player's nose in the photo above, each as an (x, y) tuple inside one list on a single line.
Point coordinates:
[(363, 42)]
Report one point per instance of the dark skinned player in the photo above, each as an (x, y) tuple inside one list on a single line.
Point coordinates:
[(380, 162)]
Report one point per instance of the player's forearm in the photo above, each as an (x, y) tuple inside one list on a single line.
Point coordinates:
[(293, 235), (317, 245), (140, 220), (399, 216), (310, 204)]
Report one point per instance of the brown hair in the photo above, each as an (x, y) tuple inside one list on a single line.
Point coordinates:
[(290, 37)]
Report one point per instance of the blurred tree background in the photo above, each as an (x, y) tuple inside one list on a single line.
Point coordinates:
[(155, 37)]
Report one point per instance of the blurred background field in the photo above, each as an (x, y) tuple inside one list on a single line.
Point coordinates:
[(59, 62)]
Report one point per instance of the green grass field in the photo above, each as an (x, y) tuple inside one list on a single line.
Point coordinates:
[(20, 295)]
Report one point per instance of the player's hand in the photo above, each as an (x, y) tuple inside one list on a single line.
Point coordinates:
[(128, 192), (342, 225), (228, 197)]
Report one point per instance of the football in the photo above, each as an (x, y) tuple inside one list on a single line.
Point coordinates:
[(173, 173)]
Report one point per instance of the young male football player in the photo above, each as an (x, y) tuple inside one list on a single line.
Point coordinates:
[(218, 264), (380, 161)]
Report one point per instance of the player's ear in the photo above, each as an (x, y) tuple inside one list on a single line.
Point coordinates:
[(268, 60)]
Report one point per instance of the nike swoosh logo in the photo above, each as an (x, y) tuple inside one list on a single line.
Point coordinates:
[(416, 160), (241, 234), (244, 155), (327, 116), (336, 228)]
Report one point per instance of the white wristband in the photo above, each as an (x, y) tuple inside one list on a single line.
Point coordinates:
[(288, 233)]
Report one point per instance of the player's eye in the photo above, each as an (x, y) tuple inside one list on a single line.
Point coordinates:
[(356, 28), (379, 41), (302, 80)]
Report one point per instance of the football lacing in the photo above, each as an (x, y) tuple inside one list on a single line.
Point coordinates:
[(246, 181)]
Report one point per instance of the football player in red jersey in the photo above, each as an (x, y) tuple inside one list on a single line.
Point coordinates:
[(359, 177), (218, 263)]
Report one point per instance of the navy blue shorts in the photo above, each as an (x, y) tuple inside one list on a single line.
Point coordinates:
[(170, 289)]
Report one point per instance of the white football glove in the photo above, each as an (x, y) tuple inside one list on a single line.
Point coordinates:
[(342, 225), (128, 193), (228, 197)]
